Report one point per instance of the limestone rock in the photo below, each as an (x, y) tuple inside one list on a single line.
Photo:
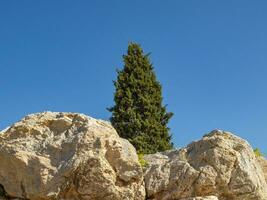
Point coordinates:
[(202, 198), (68, 156), (220, 164), (263, 163)]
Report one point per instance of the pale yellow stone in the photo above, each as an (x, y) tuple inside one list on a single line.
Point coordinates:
[(68, 156), (263, 163), (221, 165)]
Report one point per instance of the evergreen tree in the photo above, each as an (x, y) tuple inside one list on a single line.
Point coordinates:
[(138, 114)]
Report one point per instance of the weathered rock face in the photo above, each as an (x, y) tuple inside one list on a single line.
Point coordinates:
[(202, 198), (219, 164), (68, 156), (263, 163)]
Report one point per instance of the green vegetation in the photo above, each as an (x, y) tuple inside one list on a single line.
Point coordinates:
[(138, 114), (142, 161), (2, 191), (258, 152)]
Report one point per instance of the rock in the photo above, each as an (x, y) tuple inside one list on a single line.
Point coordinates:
[(202, 198), (68, 156), (220, 164), (263, 163)]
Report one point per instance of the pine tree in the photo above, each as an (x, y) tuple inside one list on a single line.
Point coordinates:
[(138, 114)]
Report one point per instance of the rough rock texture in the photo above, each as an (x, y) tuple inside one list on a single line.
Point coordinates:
[(68, 156), (202, 198), (220, 164), (263, 163)]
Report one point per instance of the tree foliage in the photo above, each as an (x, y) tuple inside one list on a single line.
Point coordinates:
[(138, 114)]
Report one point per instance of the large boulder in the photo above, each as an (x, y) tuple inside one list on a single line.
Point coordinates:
[(70, 156), (220, 164)]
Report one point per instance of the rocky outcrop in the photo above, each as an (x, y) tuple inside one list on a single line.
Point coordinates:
[(68, 156), (263, 163), (220, 164)]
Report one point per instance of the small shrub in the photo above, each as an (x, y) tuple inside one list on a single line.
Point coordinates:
[(2, 191), (258, 153), (141, 159)]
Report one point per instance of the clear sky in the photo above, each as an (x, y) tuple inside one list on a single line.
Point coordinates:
[(210, 56)]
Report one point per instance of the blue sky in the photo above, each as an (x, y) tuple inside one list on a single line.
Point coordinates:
[(210, 56)]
